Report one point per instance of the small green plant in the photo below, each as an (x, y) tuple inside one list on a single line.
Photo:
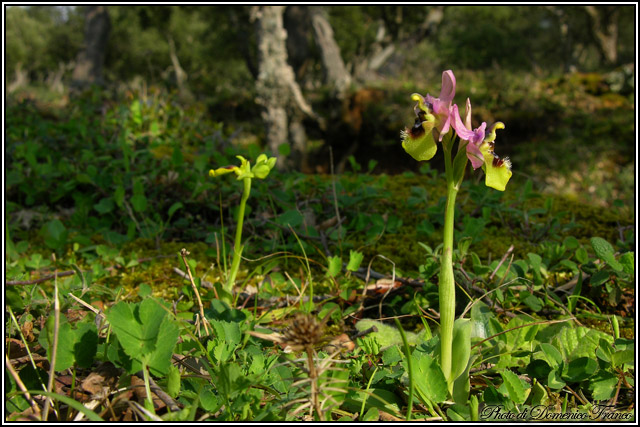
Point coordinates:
[(245, 174)]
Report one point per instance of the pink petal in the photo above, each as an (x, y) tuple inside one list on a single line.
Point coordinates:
[(448, 90)]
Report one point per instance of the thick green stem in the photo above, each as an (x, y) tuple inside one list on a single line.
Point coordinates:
[(237, 248), (447, 284)]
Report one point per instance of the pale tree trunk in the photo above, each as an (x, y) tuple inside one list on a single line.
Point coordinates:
[(90, 60), (604, 25), (181, 75), (336, 74), (20, 79), (279, 95)]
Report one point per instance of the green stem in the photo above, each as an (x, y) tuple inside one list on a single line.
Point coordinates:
[(407, 353), (447, 284), (237, 248)]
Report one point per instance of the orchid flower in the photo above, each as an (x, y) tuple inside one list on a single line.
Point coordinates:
[(480, 148), (431, 113)]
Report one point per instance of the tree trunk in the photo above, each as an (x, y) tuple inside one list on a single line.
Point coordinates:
[(604, 26), (20, 79), (181, 76), (278, 92), (90, 60), (336, 73)]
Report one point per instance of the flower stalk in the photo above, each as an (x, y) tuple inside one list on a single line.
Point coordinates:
[(245, 174), (438, 120)]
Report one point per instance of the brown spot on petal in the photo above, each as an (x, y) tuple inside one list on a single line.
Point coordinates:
[(417, 130), (497, 161)]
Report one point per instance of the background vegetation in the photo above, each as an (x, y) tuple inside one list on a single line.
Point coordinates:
[(105, 183)]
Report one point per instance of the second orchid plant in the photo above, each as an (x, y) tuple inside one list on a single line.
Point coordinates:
[(438, 121)]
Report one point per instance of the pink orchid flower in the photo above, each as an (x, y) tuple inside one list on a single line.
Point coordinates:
[(430, 113), (480, 148)]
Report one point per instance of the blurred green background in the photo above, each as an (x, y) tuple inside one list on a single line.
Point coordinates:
[(561, 77)]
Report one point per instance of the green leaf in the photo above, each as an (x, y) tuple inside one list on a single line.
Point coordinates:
[(554, 357), (514, 386), (355, 259), (145, 332), (335, 266), (430, 382), (139, 202), (174, 207), (144, 290), (66, 340), (603, 387), (599, 277), (571, 242), (582, 256), (461, 347), (578, 342), (619, 358), (372, 415), (86, 344), (628, 262), (291, 218), (173, 381), (284, 149), (209, 401), (105, 205), (580, 369), (55, 234), (605, 252)]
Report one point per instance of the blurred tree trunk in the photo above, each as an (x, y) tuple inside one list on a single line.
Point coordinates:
[(336, 74), (283, 106), (604, 27), (181, 75), (20, 79), (90, 60), (565, 34)]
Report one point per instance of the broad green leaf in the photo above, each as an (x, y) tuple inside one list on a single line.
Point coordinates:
[(139, 202), (209, 401), (603, 386), (578, 342), (371, 415), (144, 331), (105, 205), (429, 380), (514, 387), (553, 356), (622, 357), (86, 344), (605, 252), (554, 381), (581, 255), (604, 351), (55, 234), (66, 340), (580, 369), (291, 218)]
